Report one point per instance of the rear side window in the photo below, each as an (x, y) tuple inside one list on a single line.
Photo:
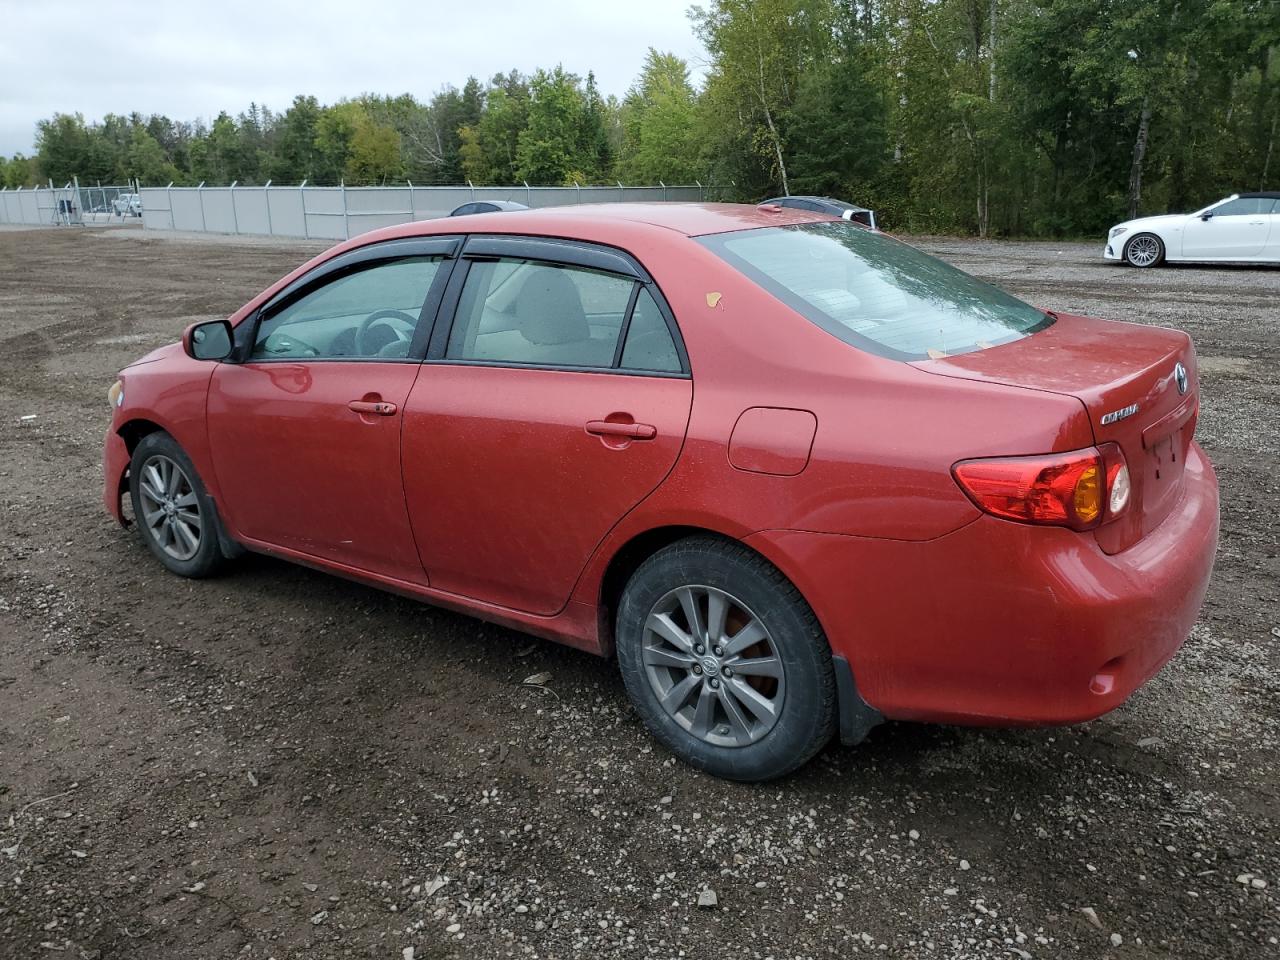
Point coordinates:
[(876, 293), (534, 312), (649, 345), (524, 311)]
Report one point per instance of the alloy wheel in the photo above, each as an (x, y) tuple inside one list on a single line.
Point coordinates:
[(713, 666), (170, 507), (1143, 251)]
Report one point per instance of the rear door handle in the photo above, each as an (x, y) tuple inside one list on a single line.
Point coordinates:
[(380, 408), (631, 431)]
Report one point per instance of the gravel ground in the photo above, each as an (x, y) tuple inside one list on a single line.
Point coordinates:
[(281, 764)]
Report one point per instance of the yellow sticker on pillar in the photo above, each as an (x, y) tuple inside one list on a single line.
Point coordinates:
[(713, 299)]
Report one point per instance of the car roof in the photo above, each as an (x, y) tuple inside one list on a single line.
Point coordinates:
[(1261, 195), (610, 223)]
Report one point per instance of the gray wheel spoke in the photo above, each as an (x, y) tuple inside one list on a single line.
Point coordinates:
[(666, 657), (738, 724), (717, 610), (689, 603), (189, 516), (175, 479), (152, 517), (751, 698), (664, 626), (704, 712), (679, 692), (184, 532), (756, 666), (152, 482), (748, 636), (188, 499)]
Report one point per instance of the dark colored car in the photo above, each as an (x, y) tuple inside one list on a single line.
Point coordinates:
[(487, 206), (796, 475), (830, 206)]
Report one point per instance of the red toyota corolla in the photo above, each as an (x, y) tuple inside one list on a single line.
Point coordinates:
[(798, 476)]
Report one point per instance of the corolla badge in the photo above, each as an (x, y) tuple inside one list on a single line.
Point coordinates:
[(1180, 376), (1117, 415)]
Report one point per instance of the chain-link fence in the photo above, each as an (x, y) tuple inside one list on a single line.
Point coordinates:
[(336, 213), (70, 204)]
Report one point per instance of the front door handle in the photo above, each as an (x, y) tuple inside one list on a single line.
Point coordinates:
[(628, 431), (380, 408)]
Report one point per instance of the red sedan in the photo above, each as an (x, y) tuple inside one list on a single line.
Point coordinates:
[(795, 475)]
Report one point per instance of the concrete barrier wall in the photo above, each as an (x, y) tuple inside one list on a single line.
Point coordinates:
[(335, 213)]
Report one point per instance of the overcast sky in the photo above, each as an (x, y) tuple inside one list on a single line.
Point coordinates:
[(190, 60)]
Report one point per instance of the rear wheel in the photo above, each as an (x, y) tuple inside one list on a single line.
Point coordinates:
[(725, 662), (172, 510), (1144, 250)]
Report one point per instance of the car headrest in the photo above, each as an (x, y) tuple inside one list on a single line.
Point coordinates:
[(550, 309)]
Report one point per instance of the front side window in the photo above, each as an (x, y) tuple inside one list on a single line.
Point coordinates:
[(371, 314), (1244, 207), (554, 315), (876, 293)]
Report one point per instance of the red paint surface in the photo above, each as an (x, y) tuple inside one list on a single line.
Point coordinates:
[(486, 491)]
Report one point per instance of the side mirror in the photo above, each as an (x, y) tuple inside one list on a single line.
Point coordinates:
[(208, 341), (1207, 215)]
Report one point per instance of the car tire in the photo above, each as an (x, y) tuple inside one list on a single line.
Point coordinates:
[(1144, 250), (747, 713), (173, 512)]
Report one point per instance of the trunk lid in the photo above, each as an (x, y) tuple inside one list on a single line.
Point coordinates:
[(1126, 375)]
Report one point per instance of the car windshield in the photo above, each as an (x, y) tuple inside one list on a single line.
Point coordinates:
[(876, 293)]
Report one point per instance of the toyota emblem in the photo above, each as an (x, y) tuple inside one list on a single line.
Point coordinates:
[(1180, 375)]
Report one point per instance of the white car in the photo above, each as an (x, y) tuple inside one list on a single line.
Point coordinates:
[(128, 205), (1243, 228)]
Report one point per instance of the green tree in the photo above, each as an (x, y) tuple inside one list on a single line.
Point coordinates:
[(146, 160), (838, 128), (295, 156), (660, 139), (488, 148), (549, 149), (19, 171)]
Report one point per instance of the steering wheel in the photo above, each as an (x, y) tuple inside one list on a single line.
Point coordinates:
[(364, 346)]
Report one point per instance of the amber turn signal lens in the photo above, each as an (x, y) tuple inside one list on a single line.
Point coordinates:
[(116, 394), (1087, 498)]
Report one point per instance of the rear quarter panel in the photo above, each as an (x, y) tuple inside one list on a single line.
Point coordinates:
[(886, 437)]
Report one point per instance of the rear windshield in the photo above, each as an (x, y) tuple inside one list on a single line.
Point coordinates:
[(875, 292)]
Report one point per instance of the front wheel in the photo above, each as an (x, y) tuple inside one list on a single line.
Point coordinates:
[(1144, 250), (725, 662), (172, 510)]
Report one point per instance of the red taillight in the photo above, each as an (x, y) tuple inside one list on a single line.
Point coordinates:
[(1062, 489)]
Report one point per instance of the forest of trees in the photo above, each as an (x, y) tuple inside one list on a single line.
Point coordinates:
[(1010, 117)]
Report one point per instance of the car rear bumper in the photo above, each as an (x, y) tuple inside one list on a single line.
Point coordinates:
[(115, 461), (1004, 623)]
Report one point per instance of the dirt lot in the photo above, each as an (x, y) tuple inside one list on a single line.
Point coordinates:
[(281, 764)]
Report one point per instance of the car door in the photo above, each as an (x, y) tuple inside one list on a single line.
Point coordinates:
[(556, 400), (1237, 230), (1273, 234), (304, 427)]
